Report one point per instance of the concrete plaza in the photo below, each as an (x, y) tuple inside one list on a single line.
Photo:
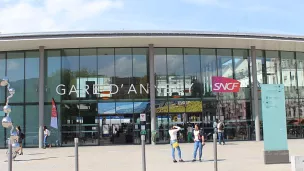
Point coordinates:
[(235, 156)]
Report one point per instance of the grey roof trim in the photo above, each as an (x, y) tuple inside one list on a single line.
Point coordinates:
[(74, 34)]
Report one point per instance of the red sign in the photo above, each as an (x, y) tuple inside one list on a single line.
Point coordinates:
[(225, 85), (54, 109)]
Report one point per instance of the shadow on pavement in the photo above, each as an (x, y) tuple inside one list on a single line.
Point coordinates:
[(46, 158), (213, 160), (35, 154)]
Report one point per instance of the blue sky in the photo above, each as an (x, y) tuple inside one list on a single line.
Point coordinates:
[(272, 16)]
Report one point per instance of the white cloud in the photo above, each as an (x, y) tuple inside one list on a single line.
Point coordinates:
[(50, 15)]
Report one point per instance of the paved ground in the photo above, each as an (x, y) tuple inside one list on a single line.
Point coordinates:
[(235, 156)]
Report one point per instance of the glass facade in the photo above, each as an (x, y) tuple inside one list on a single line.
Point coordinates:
[(100, 92)]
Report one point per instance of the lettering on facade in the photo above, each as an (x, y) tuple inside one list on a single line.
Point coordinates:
[(223, 84), (111, 89)]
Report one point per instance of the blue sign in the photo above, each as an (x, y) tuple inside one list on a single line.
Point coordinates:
[(274, 117)]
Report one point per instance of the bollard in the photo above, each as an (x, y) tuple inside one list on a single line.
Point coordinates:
[(10, 155), (76, 154), (143, 141), (215, 151)]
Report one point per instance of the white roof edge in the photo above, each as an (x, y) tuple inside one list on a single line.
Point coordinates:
[(147, 33)]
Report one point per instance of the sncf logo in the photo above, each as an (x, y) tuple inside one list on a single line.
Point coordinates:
[(225, 85)]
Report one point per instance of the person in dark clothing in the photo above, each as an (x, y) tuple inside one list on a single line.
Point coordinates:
[(20, 139)]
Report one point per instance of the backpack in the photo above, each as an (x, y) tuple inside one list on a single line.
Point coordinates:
[(48, 132), (221, 126)]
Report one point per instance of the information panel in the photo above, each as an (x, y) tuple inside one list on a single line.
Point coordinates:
[(274, 123)]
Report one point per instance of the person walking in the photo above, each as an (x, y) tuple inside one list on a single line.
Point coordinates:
[(174, 143), (221, 128), (47, 133), (199, 142), (189, 133), (20, 139)]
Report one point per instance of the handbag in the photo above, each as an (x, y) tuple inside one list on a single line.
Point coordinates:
[(175, 144)]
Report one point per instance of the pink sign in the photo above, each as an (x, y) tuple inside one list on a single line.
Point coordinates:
[(225, 85)]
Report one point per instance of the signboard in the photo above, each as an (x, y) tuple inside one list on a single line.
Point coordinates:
[(225, 85), (143, 117), (274, 123)]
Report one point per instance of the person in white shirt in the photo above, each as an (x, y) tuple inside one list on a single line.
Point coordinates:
[(220, 130), (199, 142), (173, 138), (46, 133)]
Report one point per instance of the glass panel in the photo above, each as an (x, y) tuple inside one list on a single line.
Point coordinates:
[(194, 106), (261, 67), (2, 75), (70, 70), (160, 72), (225, 69), (208, 69), (140, 75), (177, 106), (106, 74), (163, 128), (193, 79), (15, 74), (124, 107), (55, 138), (241, 73), (87, 74), (32, 125), (288, 64), (273, 67), (87, 125), (53, 78), (161, 106), (17, 117), (123, 73), (175, 72), (300, 73), (2, 129), (70, 123), (293, 120), (31, 76)]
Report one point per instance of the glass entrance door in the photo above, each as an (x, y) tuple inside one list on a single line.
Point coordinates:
[(163, 128), (116, 129)]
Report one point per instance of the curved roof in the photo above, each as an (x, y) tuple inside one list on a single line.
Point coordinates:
[(54, 40)]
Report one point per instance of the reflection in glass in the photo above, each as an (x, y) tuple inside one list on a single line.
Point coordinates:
[(2, 75), (70, 72), (300, 73), (176, 106), (161, 106), (87, 74), (31, 76), (17, 116), (163, 128), (273, 67), (193, 79), (160, 68), (123, 73), (53, 78), (15, 73), (288, 64), (124, 107), (194, 106), (32, 125), (241, 72), (175, 72), (140, 76), (208, 69), (106, 72), (106, 108), (225, 68)]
